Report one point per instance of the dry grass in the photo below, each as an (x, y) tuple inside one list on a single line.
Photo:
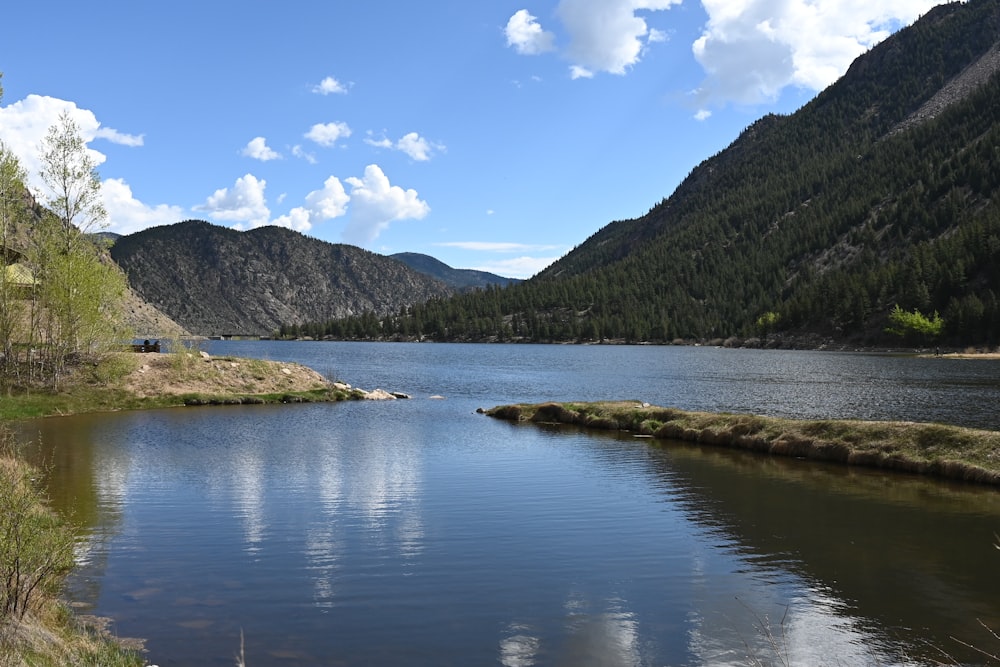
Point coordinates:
[(932, 449), (196, 373)]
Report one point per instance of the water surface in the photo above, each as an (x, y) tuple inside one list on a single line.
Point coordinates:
[(420, 533)]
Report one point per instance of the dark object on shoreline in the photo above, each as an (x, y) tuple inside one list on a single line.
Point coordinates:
[(146, 346)]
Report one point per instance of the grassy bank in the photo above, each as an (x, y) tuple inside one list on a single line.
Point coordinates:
[(36, 548), (140, 381), (931, 449)]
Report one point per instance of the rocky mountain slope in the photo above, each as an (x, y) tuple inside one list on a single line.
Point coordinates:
[(218, 281)]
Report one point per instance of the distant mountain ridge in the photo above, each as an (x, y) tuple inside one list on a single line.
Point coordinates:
[(218, 281), (459, 279)]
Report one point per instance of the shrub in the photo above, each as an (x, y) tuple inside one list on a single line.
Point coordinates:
[(36, 550), (114, 367)]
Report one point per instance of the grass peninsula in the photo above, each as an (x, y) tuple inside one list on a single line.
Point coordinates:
[(948, 452)]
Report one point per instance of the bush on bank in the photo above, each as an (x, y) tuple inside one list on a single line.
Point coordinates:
[(36, 554)]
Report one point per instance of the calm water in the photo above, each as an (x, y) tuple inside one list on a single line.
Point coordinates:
[(420, 533)]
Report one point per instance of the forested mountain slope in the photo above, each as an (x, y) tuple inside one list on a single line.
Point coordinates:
[(218, 281), (883, 190)]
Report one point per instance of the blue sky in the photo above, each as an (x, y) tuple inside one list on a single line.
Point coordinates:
[(491, 135)]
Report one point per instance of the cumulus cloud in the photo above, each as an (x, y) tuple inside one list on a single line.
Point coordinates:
[(126, 214), (752, 49), (604, 35), (526, 36), (608, 35), (243, 203), (375, 203), (417, 147), (328, 86), (329, 202), (23, 127), (327, 134), (298, 219), (258, 149)]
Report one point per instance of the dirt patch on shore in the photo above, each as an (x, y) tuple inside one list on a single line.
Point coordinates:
[(197, 373), (972, 355)]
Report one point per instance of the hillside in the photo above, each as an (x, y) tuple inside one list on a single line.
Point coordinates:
[(880, 191), (459, 279), (218, 281)]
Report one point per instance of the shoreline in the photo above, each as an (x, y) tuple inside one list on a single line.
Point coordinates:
[(53, 633), (148, 380), (935, 450)]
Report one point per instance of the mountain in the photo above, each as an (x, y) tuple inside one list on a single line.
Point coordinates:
[(218, 281), (881, 191), (459, 279)]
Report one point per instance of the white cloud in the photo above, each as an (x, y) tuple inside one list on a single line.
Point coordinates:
[(702, 114), (752, 49), (244, 203), (23, 126), (577, 72), (608, 35), (417, 147), (375, 203), (327, 134), (329, 85), (526, 35), (258, 149), (126, 214), (328, 203), (298, 219), (116, 137)]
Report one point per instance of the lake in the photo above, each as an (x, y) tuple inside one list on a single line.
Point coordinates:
[(418, 532)]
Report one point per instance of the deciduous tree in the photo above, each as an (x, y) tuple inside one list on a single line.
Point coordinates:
[(81, 290)]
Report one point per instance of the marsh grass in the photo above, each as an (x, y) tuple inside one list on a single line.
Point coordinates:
[(935, 449)]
